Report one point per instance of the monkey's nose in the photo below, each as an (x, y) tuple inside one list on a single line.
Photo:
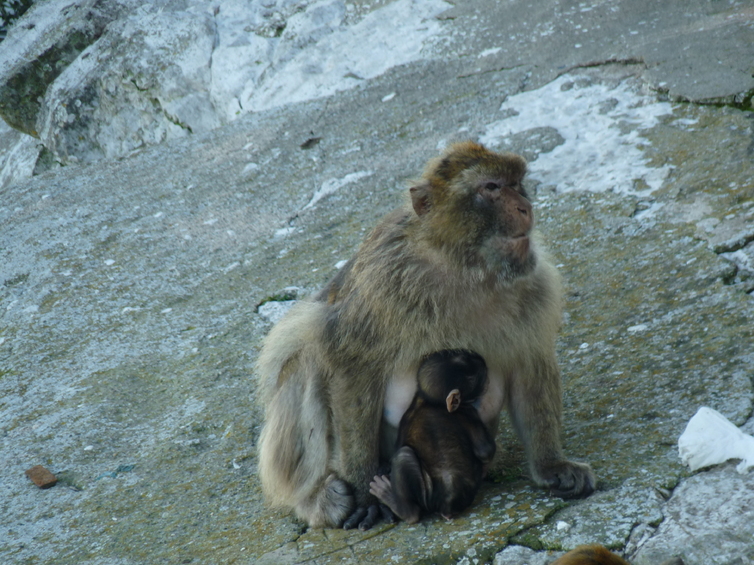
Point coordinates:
[(525, 215)]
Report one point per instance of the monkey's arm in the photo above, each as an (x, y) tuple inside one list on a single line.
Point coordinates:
[(409, 488), (482, 441), (535, 409)]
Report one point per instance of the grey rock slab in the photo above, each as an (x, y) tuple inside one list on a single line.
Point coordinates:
[(520, 555), (169, 69), (40, 46), (691, 50), (474, 537), (708, 520), (608, 517), (124, 256), (130, 292)]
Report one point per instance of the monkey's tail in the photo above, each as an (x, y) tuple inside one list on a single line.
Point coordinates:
[(294, 445), (295, 448), (298, 329)]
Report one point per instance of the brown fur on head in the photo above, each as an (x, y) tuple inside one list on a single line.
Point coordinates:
[(467, 156), (458, 162), (590, 555)]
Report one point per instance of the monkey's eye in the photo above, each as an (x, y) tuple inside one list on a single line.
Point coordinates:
[(492, 186)]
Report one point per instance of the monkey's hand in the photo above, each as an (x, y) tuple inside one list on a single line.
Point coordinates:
[(567, 479), (367, 516)]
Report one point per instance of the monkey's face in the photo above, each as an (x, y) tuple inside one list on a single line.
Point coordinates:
[(471, 203), (505, 220), (506, 243)]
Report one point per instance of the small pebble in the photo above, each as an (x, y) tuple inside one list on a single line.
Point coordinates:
[(563, 526), (41, 477)]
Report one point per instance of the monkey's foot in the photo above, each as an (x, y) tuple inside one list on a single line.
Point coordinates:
[(567, 479), (364, 517), (328, 506)]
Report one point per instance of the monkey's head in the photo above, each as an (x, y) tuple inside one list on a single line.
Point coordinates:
[(452, 370), (471, 204)]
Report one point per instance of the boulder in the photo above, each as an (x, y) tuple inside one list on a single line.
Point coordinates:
[(40, 46)]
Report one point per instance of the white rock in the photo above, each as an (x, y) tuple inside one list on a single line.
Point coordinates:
[(742, 258), (519, 555), (333, 185), (393, 35), (611, 147), (710, 439), (18, 155)]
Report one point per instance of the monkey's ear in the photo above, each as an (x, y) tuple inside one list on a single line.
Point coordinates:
[(453, 400), (420, 197)]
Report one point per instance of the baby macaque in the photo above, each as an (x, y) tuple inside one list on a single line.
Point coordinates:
[(443, 447)]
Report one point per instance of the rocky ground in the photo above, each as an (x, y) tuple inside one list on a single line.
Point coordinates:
[(158, 224)]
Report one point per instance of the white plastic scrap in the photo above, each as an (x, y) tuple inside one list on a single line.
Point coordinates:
[(710, 438)]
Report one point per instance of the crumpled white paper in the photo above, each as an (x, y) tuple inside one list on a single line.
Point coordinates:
[(710, 439)]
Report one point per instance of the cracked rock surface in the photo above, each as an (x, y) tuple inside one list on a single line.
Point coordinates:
[(201, 195)]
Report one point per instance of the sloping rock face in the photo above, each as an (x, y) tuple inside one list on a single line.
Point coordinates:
[(18, 155), (134, 292), (102, 78), (97, 79)]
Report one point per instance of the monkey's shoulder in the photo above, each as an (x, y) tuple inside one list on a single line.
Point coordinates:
[(383, 248)]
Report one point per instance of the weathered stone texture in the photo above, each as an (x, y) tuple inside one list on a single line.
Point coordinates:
[(134, 292)]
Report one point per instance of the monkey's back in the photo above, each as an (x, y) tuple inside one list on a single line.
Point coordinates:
[(443, 445)]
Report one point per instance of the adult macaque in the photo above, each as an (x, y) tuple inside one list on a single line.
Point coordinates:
[(443, 446), (457, 268)]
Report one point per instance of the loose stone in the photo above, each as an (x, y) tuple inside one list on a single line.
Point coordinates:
[(41, 477)]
